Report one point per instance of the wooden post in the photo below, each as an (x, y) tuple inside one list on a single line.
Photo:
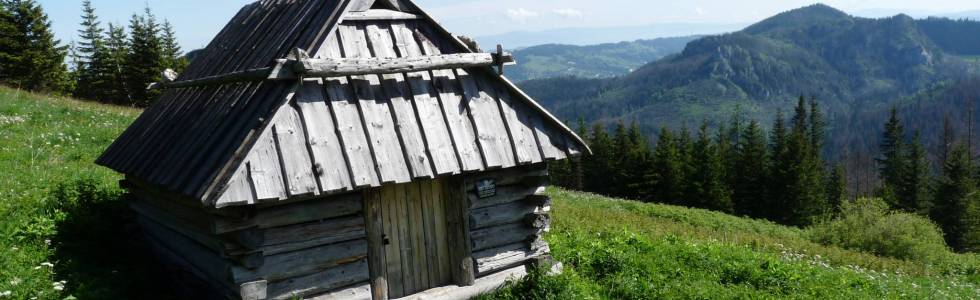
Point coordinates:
[(376, 253), (457, 212)]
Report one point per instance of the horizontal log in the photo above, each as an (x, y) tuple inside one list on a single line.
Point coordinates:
[(301, 236), (209, 263), (540, 200), (296, 213), (379, 15), (299, 263), (255, 290), (497, 236), (533, 175), (354, 273), (355, 292), (540, 220), (500, 214), (241, 76), (366, 66), (505, 194), (292, 69), (186, 229), (177, 264), (494, 259)]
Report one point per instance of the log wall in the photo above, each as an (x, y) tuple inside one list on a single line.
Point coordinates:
[(505, 230), (298, 250)]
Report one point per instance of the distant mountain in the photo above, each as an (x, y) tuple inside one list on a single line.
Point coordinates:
[(595, 61), (856, 67), (592, 36)]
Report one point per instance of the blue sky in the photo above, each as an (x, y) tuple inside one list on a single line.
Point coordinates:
[(197, 21)]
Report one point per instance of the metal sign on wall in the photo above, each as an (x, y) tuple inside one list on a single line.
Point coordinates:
[(486, 188)]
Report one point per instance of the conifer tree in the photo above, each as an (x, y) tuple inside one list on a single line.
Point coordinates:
[(91, 54), (599, 166), (172, 53), (30, 56), (892, 164), (116, 56), (706, 186), (913, 193), (145, 61), (619, 163), (667, 176), (778, 172), (956, 193), (748, 193), (640, 162), (817, 127), (836, 189)]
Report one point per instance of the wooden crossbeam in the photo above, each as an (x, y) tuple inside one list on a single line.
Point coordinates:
[(365, 66), (300, 65)]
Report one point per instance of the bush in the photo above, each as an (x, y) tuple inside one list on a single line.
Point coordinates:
[(867, 225)]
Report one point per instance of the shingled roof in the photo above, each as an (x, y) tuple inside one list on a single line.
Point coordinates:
[(259, 141)]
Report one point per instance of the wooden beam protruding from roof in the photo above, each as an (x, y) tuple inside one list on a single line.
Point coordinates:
[(299, 65)]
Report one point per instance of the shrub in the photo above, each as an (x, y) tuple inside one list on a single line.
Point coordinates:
[(867, 225)]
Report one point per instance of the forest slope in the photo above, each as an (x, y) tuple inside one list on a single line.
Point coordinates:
[(856, 68)]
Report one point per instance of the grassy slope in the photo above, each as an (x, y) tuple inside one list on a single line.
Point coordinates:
[(612, 249), (53, 237), (626, 250)]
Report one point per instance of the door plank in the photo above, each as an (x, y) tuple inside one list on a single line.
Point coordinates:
[(418, 235), (392, 250)]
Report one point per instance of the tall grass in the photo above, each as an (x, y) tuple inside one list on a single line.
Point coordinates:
[(626, 250), (61, 228)]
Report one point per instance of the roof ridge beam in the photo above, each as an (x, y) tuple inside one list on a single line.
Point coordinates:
[(303, 66)]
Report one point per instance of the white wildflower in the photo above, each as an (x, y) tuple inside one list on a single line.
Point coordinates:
[(15, 281), (6, 294)]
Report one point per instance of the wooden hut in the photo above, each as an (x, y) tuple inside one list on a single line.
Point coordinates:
[(342, 149)]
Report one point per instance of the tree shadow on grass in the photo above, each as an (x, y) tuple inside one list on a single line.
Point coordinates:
[(101, 252)]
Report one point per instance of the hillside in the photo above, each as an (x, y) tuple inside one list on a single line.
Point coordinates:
[(594, 61), (64, 233), (856, 68), (614, 249)]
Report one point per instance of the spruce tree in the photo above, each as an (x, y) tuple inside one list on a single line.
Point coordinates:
[(620, 164), (778, 172), (913, 192), (31, 57), (599, 166), (173, 55), (817, 127), (145, 61), (836, 189), (955, 194), (706, 185), (91, 54), (667, 175), (892, 164), (748, 193), (116, 55), (640, 159)]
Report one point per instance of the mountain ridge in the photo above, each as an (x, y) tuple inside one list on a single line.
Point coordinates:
[(856, 68)]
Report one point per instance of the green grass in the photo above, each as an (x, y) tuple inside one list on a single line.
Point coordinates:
[(615, 249), (62, 222), (61, 232)]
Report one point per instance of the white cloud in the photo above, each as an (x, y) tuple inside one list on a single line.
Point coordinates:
[(570, 13), (699, 11), (521, 14)]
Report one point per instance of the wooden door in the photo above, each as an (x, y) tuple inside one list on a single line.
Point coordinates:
[(411, 221)]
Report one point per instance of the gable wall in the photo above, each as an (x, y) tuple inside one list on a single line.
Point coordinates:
[(344, 134)]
